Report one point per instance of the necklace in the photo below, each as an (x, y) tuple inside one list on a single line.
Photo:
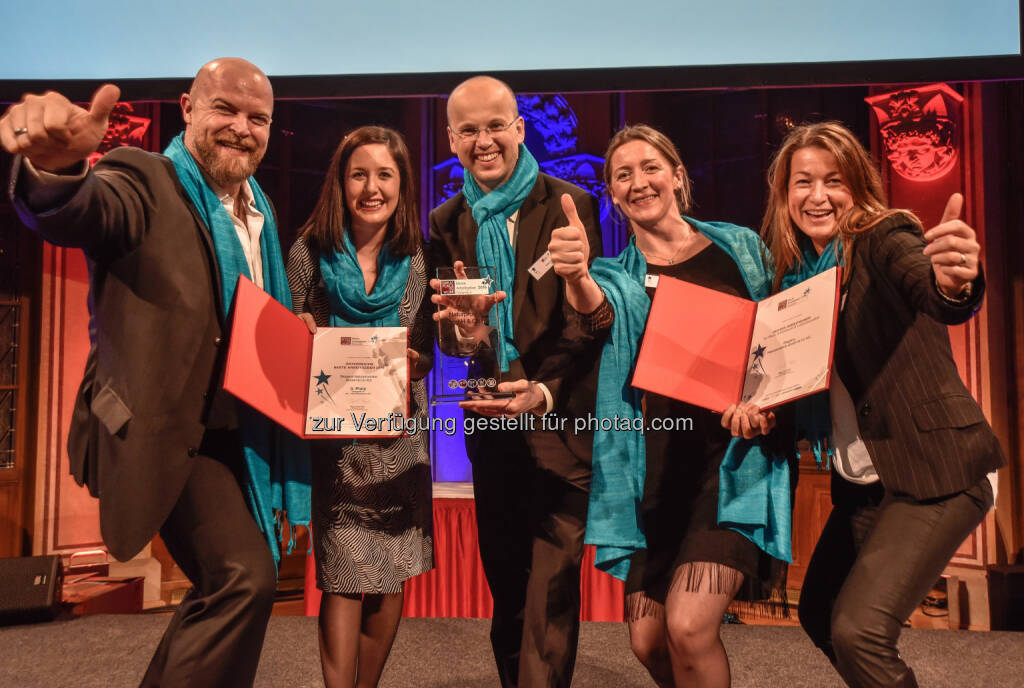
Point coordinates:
[(670, 260)]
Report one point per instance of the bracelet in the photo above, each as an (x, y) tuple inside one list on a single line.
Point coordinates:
[(960, 299), (600, 318)]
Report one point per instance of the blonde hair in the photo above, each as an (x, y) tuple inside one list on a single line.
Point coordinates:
[(779, 232), (660, 143)]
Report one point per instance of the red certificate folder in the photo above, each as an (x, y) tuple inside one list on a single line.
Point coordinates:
[(268, 362), (700, 345)]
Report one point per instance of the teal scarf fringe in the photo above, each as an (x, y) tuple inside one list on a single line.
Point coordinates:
[(351, 306), (754, 495), (814, 413), (278, 464), (491, 212), (758, 509)]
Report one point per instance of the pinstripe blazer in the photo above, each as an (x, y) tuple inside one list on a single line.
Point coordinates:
[(926, 435)]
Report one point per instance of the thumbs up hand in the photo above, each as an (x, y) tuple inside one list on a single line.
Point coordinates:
[(54, 133), (953, 250), (569, 247)]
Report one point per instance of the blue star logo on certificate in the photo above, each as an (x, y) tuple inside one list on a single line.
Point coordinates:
[(321, 387), (758, 363)]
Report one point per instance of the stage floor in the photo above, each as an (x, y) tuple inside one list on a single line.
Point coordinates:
[(105, 650)]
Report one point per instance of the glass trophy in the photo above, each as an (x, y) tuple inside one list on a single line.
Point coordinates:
[(468, 334)]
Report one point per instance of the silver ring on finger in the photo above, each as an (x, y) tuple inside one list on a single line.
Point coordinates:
[(963, 259), (20, 130)]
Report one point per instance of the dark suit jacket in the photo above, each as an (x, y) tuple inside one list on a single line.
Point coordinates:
[(551, 348), (926, 435), (156, 324)]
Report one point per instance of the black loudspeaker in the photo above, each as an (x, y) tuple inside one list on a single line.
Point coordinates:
[(30, 589)]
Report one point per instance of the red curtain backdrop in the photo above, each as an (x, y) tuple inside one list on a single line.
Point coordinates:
[(456, 587)]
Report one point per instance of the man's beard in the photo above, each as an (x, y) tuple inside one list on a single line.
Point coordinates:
[(226, 171)]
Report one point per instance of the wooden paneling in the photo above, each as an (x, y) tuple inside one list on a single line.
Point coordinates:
[(16, 481), (67, 518), (19, 254), (12, 530), (996, 141), (811, 509)]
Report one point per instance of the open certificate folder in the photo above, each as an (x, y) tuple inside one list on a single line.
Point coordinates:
[(340, 382), (712, 349)]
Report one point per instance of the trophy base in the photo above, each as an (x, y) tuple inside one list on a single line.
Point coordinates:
[(468, 396)]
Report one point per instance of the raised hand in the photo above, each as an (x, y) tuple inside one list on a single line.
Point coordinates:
[(469, 313), (569, 246), (953, 249), (54, 133), (569, 249)]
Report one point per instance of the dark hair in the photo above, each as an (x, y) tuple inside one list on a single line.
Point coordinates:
[(662, 144), (329, 218), (859, 174)]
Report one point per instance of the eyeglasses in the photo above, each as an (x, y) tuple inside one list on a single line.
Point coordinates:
[(471, 133)]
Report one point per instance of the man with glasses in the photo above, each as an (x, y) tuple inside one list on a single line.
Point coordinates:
[(531, 486)]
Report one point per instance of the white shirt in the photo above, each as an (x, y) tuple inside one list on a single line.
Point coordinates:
[(512, 223), (248, 230), (852, 459)]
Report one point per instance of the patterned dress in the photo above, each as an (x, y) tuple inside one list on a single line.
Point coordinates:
[(372, 517)]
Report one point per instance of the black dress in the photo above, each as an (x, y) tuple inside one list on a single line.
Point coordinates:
[(679, 508)]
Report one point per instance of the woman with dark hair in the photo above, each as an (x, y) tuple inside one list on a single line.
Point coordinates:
[(654, 508), (909, 447), (358, 262)]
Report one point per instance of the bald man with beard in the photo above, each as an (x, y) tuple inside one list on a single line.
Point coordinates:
[(153, 434)]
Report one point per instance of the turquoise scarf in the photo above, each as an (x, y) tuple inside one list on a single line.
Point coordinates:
[(814, 413), (278, 469), (619, 458), (754, 496), (351, 306), (491, 212)]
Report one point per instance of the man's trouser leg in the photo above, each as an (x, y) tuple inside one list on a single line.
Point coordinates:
[(551, 625), (502, 469), (216, 635)]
